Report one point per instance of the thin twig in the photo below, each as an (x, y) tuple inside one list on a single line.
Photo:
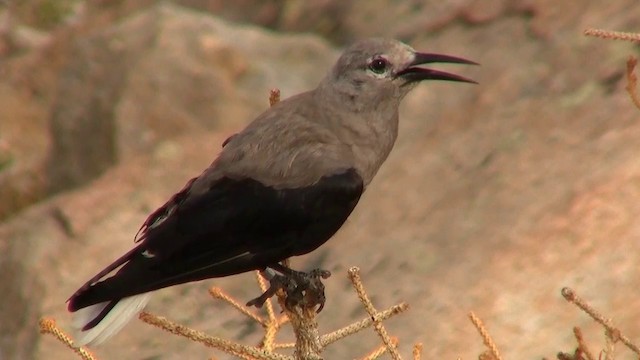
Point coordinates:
[(572, 297), (48, 326), (274, 97), (612, 35), (610, 348), (354, 276), (210, 341), (380, 350), (218, 293), (582, 345), (417, 351), (353, 328), (486, 338), (262, 283), (272, 323)]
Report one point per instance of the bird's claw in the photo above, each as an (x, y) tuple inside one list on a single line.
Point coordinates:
[(301, 289), (314, 294)]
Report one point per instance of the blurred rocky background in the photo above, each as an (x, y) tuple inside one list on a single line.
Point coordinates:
[(495, 197)]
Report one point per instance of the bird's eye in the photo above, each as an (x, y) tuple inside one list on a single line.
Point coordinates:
[(378, 65)]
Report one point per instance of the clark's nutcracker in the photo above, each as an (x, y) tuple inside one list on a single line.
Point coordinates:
[(281, 187)]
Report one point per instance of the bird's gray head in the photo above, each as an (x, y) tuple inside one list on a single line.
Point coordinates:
[(373, 71)]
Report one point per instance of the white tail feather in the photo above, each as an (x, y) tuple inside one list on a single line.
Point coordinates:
[(115, 320)]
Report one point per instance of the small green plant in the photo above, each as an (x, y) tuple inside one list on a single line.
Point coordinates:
[(43, 14)]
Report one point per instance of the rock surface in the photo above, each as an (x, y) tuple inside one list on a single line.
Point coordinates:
[(495, 197), (164, 72)]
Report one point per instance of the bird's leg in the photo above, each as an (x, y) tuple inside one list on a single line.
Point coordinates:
[(276, 282)]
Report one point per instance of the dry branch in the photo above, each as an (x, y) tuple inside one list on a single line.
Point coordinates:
[(309, 344), (612, 332), (243, 351), (354, 275), (486, 338), (582, 345), (417, 351), (48, 326), (353, 328), (612, 35)]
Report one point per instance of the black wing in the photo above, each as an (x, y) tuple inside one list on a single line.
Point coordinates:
[(236, 226)]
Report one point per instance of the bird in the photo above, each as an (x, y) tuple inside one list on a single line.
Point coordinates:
[(279, 188)]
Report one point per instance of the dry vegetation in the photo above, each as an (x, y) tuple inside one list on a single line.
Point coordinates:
[(309, 343)]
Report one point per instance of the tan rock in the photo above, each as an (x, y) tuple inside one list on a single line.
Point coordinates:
[(495, 198), (163, 72)]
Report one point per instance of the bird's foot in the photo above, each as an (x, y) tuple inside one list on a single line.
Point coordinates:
[(301, 288), (308, 291)]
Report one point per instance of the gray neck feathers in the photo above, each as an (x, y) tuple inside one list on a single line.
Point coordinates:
[(308, 136), (369, 125)]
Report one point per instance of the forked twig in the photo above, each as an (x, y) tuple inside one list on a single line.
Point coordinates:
[(582, 345), (354, 276), (353, 328), (631, 62), (612, 332)]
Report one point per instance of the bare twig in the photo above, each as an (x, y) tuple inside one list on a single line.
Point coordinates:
[(631, 63), (354, 276), (417, 351), (334, 336), (380, 350), (273, 323), (48, 326), (218, 293), (243, 351), (612, 35), (486, 338), (582, 345), (612, 331), (610, 348), (274, 96), (285, 346)]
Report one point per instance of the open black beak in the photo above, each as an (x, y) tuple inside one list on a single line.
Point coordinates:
[(413, 73)]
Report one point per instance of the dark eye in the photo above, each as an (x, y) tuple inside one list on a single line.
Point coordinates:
[(378, 65)]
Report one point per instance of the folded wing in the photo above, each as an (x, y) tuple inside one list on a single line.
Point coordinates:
[(237, 225)]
